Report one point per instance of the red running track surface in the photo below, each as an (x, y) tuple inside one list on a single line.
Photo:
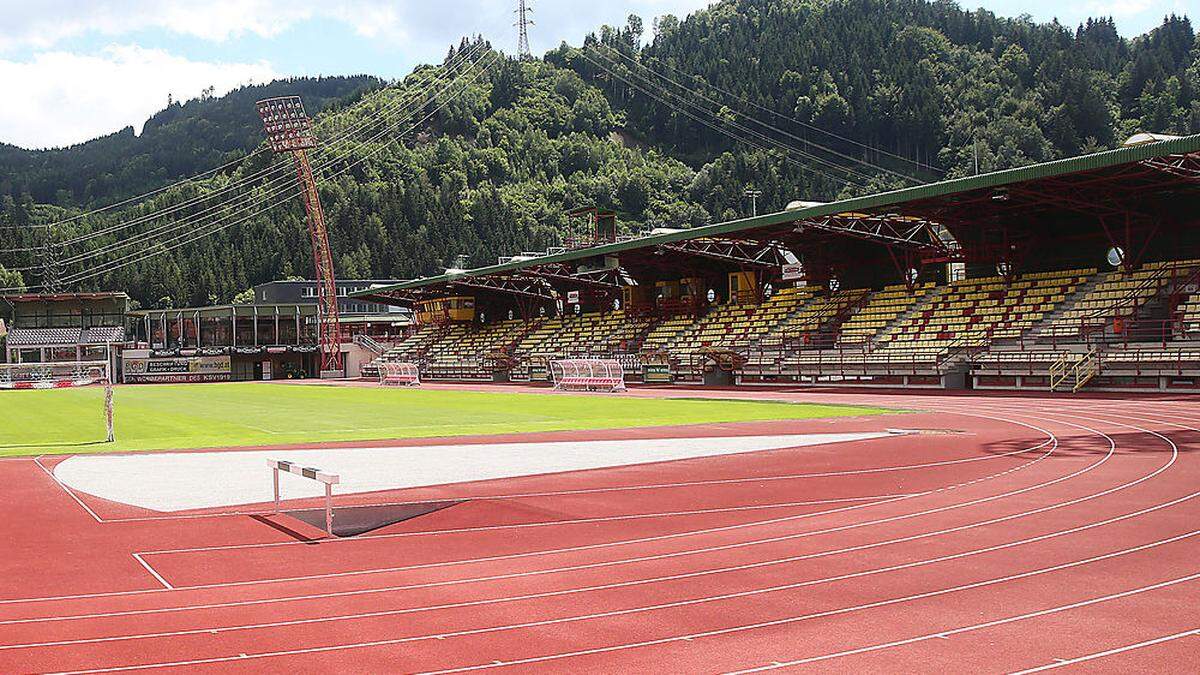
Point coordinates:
[(1042, 534)]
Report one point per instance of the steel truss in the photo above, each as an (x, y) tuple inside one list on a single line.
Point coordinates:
[(746, 253), (561, 273), (516, 284), (1183, 166), (908, 232)]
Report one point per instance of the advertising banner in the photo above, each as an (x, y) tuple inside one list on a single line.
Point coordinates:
[(657, 373), (178, 369)]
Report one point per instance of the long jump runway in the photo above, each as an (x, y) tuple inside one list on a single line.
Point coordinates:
[(1008, 535)]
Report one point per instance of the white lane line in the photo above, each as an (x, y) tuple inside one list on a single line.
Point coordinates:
[(571, 568), (626, 584), (553, 570), (1175, 455), (1059, 663), (38, 460), (979, 626), (675, 638), (152, 571), (691, 533), (539, 523), (1052, 440)]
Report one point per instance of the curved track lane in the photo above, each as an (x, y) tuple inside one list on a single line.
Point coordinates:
[(1054, 533)]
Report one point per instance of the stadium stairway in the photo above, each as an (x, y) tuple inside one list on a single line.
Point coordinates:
[(403, 351), (1042, 331), (1189, 317), (881, 309)]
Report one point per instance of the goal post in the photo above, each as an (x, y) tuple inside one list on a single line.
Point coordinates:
[(588, 375), (53, 375), (63, 375)]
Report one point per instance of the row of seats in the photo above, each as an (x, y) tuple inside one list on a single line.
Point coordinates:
[(591, 334), (894, 326), (978, 312), (463, 354), (735, 327), (1115, 295), (880, 311), (805, 325)]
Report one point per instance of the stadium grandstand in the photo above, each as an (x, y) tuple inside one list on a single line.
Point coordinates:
[(252, 341), (67, 327), (1079, 273)]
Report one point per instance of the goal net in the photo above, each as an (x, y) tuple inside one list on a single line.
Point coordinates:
[(399, 375), (588, 375), (56, 375)]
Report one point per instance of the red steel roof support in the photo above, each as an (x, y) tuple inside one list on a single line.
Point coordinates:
[(289, 129)]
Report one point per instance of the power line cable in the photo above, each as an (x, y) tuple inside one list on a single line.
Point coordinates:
[(281, 189), (246, 180), (649, 88), (172, 244), (777, 130), (386, 130), (806, 125), (770, 143), (284, 178), (151, 193)]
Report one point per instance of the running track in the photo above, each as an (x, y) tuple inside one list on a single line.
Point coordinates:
[(1042, 534)]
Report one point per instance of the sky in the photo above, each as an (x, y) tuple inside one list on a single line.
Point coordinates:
[(73, 70)]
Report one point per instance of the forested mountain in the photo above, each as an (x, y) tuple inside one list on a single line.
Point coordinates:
[(860, 92), (929, 82), (183, 139)]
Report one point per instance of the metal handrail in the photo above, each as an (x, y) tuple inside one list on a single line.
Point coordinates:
[(370, 344), (1135, 299), (1058, 371), (1092, 361)]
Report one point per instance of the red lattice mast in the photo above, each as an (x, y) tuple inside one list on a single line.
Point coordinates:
[(289, 129)]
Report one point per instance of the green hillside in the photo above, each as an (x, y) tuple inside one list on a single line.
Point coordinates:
[(865, 92)]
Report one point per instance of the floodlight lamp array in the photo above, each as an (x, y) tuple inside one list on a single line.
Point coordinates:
[(288, 127)]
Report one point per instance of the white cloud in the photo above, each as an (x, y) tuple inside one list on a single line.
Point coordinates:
[(41, 25), (69, 98)]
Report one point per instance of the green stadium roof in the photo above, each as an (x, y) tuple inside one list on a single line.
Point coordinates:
[(1085, 163)]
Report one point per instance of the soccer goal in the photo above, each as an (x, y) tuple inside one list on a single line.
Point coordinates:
[(399, 375), (62, 375), (55, 375), (588, 375)]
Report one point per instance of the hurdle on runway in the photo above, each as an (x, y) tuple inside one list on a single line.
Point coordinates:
[(328, 479)]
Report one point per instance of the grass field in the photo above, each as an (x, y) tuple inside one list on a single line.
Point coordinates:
[(232, 415)]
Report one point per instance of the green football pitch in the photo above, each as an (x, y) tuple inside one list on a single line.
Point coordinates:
[(230, 415)]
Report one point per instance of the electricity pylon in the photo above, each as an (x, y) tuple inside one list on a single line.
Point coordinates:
[(523, 23)]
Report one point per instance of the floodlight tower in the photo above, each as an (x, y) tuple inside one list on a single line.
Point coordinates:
[(290, 130)]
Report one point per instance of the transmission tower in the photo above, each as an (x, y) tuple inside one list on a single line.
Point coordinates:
[(524, 21), (51, 265), (289, 130)]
